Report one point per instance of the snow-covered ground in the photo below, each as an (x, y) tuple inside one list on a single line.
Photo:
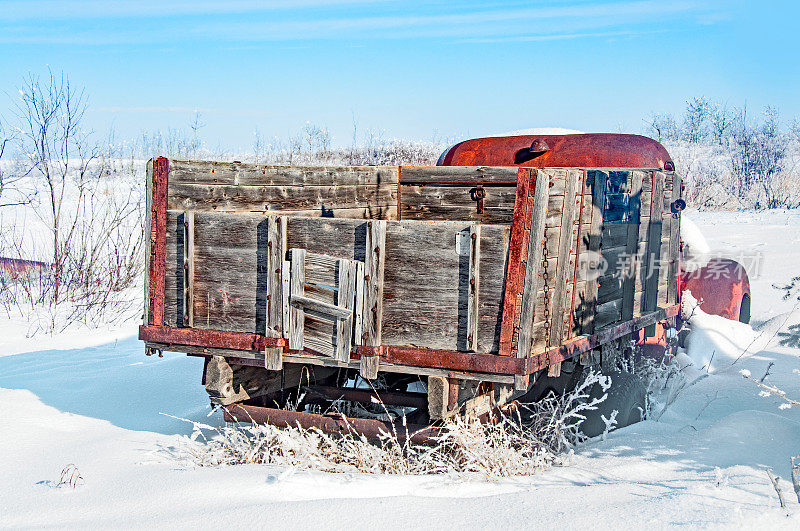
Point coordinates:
[(700, 463)]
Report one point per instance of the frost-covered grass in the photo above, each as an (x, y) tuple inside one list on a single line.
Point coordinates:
[(522, 440)]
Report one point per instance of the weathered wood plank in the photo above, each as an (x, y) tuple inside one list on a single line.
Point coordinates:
[(237, 173), (174, 274), (615, 234), (276, 255), (457, 203), (368, 367), (599, 180), (652, 255), (188, 269), (566, 257), (425, 295), (533, 262), (634, 237), (674, 243), (322, 270), (608, 314), (664, 260), (474, 287), (451, 202), (458, 174), (374, 262), (358, 308), (286, 269), (296, 289), (273, 358), (345, 299), (573, 326), (308, 303), (493, 261), (610, 287), (323, 200)]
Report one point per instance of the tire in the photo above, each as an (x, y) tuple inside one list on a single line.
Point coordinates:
[(744, 309), (626, 396), (559, 385)]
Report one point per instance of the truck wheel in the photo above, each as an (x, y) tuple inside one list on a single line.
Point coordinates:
[(626, 396), (744, 309)]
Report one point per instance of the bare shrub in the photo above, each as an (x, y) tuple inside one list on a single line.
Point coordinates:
[(85, 225), (731, 160), (313, 147), (70, 477), (10, 194)]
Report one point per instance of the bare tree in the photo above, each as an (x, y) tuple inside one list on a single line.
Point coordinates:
[(758, 158), (258, 146), (794, 130), (663, 127), (195, 126), (721, 122), (695, 120), (56, 151), (91, 212), (317, 139)]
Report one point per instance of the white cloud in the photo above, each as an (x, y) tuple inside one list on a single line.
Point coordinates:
[(554, 22)]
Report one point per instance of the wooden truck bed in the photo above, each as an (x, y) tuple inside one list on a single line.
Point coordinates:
[(481, 273)]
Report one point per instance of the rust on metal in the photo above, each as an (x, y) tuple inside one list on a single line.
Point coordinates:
[(478, 195), (337, 423), (538, 147), (158, 240), (449, 360), (208, 338), (596, 150), (582, 344), (720, 286), (515, 268)]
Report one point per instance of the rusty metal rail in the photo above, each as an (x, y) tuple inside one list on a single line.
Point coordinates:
[(413, 356), (372, 429)]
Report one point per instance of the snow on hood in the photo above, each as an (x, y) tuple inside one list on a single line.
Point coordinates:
[(715, 343), (696, 251), (540, 131)]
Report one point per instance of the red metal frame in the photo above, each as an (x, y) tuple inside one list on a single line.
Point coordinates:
[(450, 360), (158, 240), (518, 250)]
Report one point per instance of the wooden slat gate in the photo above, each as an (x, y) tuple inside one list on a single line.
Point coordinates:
[(325, 302)]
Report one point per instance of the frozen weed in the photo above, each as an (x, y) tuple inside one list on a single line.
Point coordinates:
[(522, 439)]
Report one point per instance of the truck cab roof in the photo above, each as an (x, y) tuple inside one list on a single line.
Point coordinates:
[(595, 150)]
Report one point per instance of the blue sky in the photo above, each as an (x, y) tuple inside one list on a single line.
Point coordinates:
[(413, 70)]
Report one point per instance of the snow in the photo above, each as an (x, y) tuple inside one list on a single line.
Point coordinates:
[(696, 251), (700, 462), (539, 131)]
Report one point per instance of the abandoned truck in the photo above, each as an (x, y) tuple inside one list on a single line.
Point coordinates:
[(500, 274)]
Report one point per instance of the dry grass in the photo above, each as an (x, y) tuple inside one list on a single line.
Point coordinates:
[(523, 440)]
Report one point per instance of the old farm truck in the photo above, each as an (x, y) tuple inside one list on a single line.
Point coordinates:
[(500, 274)]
